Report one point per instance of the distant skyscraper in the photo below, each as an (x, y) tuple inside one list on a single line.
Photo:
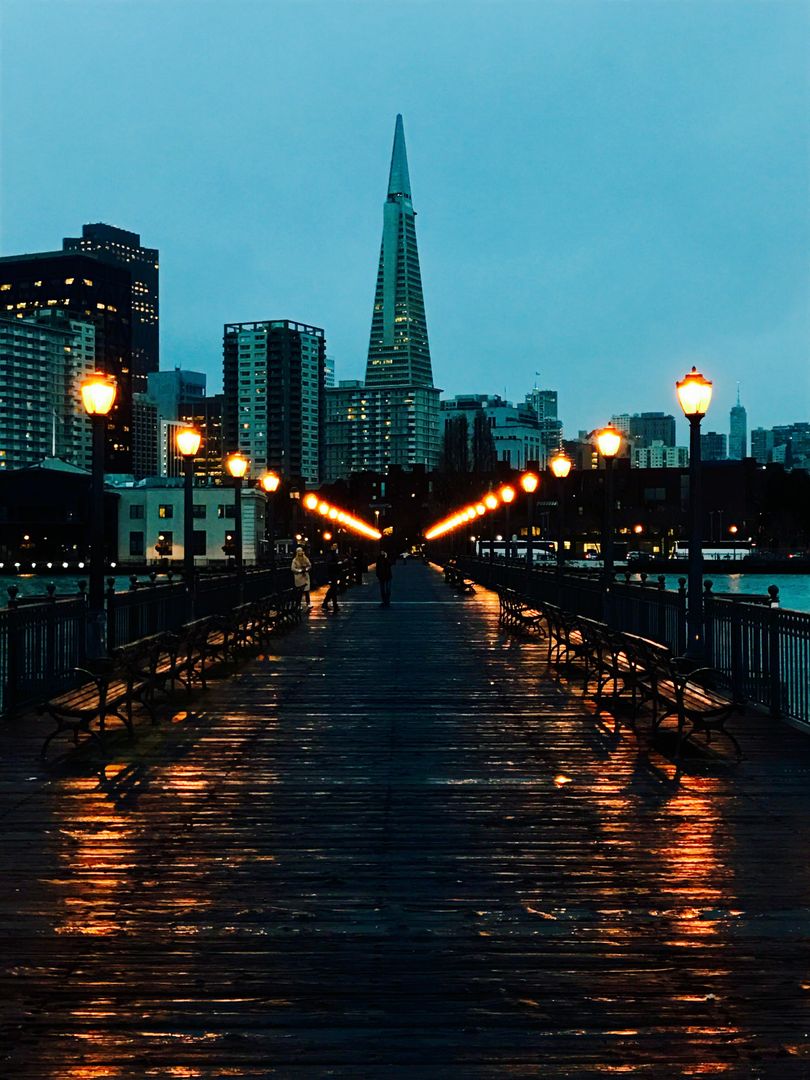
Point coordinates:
[(329, 372), (123, 248), (398, 351), (273, 391), (175, 393), (544, 403), (738, 431), (713, 446), (90, 289)]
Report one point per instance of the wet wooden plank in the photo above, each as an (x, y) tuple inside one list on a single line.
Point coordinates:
[(397, 847)]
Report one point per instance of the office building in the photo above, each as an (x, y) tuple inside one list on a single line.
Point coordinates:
[(89, 290), (392, 419), (762, 445), (329, 372), (273, 391), (543, 402), (644, 429), (119, 247), (206, 416), (175, 393), (659, 456), (144, 437), (713, 446), (518, 435), (738, 431)]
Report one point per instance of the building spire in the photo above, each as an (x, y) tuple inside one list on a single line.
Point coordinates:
[(399, 182), (738, 395)]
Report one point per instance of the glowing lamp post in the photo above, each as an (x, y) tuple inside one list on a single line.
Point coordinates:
[(270, 482), (188, 441), (529, 481), (560, 466), (237, 465), (507, 497), (98, 397), (609, 442), (695, 395)]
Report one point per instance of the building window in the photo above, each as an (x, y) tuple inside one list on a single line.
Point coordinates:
[(136, 542), (228, 511), (165, 510), (199, 544), (136, 513), (199, 510)]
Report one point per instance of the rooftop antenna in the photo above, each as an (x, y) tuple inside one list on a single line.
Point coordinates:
[(738, 393)]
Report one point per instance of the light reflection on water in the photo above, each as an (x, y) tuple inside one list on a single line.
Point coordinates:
[(794, 589)]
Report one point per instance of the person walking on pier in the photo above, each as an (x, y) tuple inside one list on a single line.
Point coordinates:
[(301, 567), (384, 576), (333, 568)]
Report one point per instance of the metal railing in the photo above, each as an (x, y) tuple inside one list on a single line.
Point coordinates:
[(43, 640), (764, 651)]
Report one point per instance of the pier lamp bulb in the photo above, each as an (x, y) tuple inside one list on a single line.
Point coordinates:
[(270, 482), (310, 501), (480, 509), (694, 393), (490, 501), (638, 529), (98, 393), (333, 513), (733, 530), (237, 465), (323, 508), (507, 493), (529, 482), (327, 536), (560, 465), (609, 440), (188, 441)]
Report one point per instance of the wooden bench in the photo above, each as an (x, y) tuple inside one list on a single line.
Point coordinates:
[(453, 576), (102, 695), (515, 611)]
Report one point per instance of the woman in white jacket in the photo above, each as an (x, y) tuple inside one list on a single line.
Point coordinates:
[(301, 567)]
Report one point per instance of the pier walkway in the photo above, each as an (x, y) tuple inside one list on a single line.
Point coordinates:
[(395, 847)]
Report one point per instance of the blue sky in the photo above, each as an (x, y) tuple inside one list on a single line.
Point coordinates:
[(606, 192)]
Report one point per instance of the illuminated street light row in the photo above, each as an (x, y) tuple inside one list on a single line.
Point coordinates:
[(320, 506), (491, 501)]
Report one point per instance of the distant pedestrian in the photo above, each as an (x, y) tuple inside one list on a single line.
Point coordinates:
[(359, 566), (301, 567), (333, 569), (384, 575)]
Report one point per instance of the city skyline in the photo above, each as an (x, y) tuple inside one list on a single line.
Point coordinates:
[(631, 213)]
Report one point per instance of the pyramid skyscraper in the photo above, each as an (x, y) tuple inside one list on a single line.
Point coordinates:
[(398, 351), (392, 419)]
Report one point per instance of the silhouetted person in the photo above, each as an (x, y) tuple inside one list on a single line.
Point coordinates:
[(384, 575), (333, 569)]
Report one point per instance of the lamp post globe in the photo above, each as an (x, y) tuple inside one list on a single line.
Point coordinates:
[(270, 482), (694, 392), (507, 496), (98, 392), (530, 481)]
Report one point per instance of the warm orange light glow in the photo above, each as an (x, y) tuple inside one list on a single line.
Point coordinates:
[(694, 393), (98, 393), (327, 536), (237, 465), (349, 521), (188, 441), (638, 529), (560, 465), (529, 482), (480, 509), (490, 501), (469, 513), (507, 493), (270, 482), (609, 440), (733, 530)]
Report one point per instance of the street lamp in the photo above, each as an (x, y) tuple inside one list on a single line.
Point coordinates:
[(270, 482), (529, 482), (98, 397), (237, 465), (560, 465), (694, 394), (188, 441), (608, 441), (733, 530), (507, 496)]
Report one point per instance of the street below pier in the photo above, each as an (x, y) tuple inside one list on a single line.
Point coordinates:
[(397, 846)]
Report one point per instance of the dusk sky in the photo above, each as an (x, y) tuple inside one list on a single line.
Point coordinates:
[(606, 192)]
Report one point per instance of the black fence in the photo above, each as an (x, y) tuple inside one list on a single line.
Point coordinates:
[(43, 641), (764, 650)]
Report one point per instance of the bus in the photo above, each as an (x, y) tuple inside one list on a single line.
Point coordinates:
[(543, 551)]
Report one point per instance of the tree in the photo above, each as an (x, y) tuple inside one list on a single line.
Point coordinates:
[(456, 447), (483, 445)]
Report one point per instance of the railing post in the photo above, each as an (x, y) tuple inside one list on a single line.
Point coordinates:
[(110, 598), (737, 668), (50, 637), (13, 654), (708, 625), (774, 658), (681, 630), (661, 621), (82, 586)]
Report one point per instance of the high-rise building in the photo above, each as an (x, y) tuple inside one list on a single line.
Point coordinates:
[(90, 290), (144, 437), (659, 456), (762, 443), (519, 436), (543, 402), (738, 431), (713, 446), (273, 392), (120, 247), (175, 393), (206, 416), (329, 372), (393, 419)]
